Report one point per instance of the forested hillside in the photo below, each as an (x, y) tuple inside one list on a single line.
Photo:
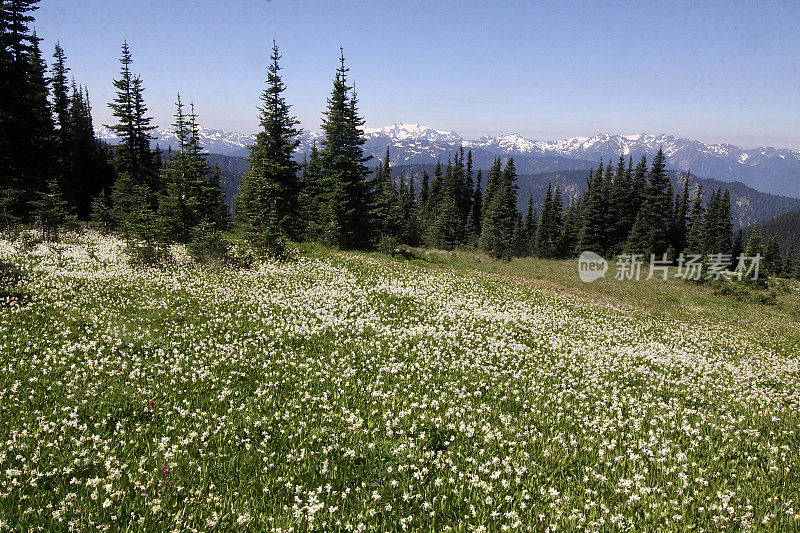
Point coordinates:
[(784, 227)]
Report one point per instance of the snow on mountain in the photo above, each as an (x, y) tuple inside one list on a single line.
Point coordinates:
[(411, 132), (767, 169), (214, 141)]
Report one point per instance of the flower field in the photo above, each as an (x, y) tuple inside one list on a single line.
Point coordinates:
[(356, 394)]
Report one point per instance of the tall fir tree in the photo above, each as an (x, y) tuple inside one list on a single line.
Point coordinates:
[(549, 243), (655, 216), (694, 236), (185, 180), (132, 155), (27, 142), (500, 217), (593, 232), (347, 213), (771, 263), (313, 196), (681, 217), (270, 189)]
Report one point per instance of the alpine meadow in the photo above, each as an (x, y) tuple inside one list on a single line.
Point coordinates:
[(325, 326)]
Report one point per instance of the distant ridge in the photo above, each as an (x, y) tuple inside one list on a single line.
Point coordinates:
[(766, 169)]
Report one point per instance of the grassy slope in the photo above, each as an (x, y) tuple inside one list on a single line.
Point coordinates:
[(673, 298), (347, 390)]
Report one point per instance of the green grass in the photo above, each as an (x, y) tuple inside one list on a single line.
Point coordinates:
[(345, 391), (674, 297)]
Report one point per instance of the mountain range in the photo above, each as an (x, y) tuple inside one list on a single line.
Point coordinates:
[(767, 169)]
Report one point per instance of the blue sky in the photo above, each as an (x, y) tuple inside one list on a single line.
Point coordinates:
[(714, 71)]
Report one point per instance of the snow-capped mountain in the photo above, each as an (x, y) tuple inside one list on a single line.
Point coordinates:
[(214, 141), (767, 169)]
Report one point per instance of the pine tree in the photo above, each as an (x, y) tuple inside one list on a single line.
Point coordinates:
[(530, 227), (593, 233), (88, 172), (272, 180), (638, 188), (488, 231), (61, 101), (312, 196), (500, 215), (772, 264), (447, 227), (348, 211), (755, 248), (541, 245), (656, 210), (711, 223), (571, 228), (27, 142), (50, 211), (132, 156), (213, 207), (385, 207), (694, 237), (724, 233), (681, 217), (738, 246), (788, 262), (549, 239), (477, 204), (424, 188), (622, 218), (181, 203)]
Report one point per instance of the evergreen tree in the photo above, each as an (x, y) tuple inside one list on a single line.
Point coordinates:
[(388, 215), (61, 101), (424, 188), (549, 242), (593, 233), (492, 185), (132, 156), (724, 233), (655, 215), (738, 246), (711, 223), (638, 188), (530, 227), (621, 197), (771, 263), (447, 228), (477, 204), (788, 262), (694, 237), (755, 247), (681, 217), (312, 196), (348, 221), (500, 215), (86, 170), (27, 142), (571, 229), (213, 207), (272, 180), (50, 211), (184, 180)]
